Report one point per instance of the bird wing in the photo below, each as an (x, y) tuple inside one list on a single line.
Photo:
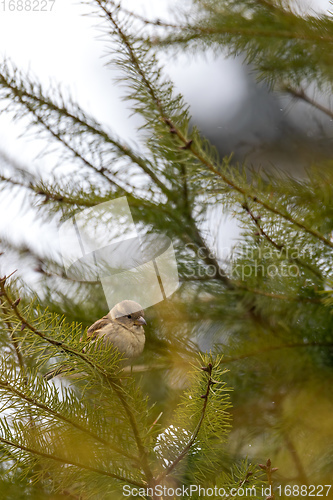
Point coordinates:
[(93, 330)]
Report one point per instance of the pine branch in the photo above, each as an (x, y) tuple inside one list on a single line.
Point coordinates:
[(18, 353), (208, 369), (42, 263), (70, 199), (114, 383), (160, 105), (14, 340), (202, 32), (279, 296), (188, 144), (279, 246), (193, 238), (101, 171), (283, 44), (196, 238), (220, 274), (71, 462), (22, 96), (55, 343), (131, 54), (187, 205), (33, 401), (48, 194), (240, 486), (64, 276)]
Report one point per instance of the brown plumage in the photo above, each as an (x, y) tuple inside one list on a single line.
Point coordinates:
[(122, 327)]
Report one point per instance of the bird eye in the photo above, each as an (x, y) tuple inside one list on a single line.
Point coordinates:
[(129, 316)]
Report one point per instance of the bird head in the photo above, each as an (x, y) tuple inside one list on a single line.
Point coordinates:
[(129, 313)]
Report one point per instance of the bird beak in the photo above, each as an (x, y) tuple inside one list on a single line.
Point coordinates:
[(140, 321)]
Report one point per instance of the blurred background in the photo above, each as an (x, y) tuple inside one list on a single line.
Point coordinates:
[(268, 130), (236, 112)]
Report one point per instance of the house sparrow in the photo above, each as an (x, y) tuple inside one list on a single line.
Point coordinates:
[(122, 327)]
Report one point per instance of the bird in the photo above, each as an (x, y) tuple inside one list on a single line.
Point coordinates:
[(122, 327)]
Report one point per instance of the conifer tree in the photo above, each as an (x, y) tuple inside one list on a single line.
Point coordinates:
[(266, 313)]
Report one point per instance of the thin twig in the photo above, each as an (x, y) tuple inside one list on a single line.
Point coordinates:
[(300, 94)]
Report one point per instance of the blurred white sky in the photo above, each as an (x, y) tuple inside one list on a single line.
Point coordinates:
[(62, 46)]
